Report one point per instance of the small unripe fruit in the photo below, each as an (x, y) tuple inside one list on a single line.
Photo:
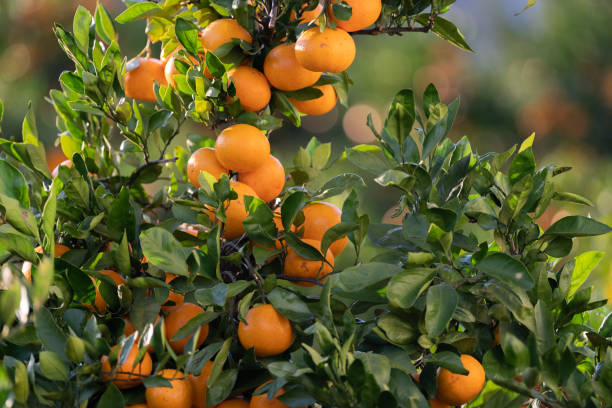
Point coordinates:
[(75, 349)]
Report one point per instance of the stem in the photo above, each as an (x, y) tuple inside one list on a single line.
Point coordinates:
[(142, 168), (296, 279), (399, 30), (471, 279), (273, 15)]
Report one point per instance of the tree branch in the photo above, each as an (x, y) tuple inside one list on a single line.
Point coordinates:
[(145, 166), (399, 30)]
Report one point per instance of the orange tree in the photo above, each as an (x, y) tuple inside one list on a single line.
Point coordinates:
[(219, 287)]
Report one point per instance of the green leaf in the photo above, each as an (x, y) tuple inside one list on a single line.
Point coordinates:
[(187, 34), (441, 304), (356, 278), (303, 249), (164, 251), (52, 366), (605, 330), (585, 263), (194, 324), (397, 329), (29, 130), (304, 94), (405, 287), (368, 157), (342, 10), (577, 226), (524, 163), (430, 98), (22, 383), (215, 295), (121, 217), (573, 198), (446, 359), (335, 233), (289, 305), (445, 30), (545, 334), (219, 389), (19, 217), (338, 184), (506, 269), (13, 184), (214, 65), (291, 207), (405, 391), (139, 11), (112, 398), (32, 155), (80, 28), (104, 24), (48, 220)]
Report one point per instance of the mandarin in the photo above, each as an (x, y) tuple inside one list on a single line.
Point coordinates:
[(458, 389), (298, 267), (26, 268), (170, 69), (284, 72), (178, 317), (262, 400), (242, 147), (65, 163), (99, 301), (318, 218), (252, 88), (140, 80), (198, 385), (364, 14), (204, 159), (176, 298), (128, 374), (318, 106), (179, 395), (267, 180), (327, 51), (265, 330), (223, 31), (235, 212)]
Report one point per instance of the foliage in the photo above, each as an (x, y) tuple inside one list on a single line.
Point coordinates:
[(467, 262)]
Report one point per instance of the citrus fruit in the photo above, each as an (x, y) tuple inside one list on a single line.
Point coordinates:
[(284, 72), (318, 218), (139, 81), (179, 317), (99, 301), (128, 374), (308, 15), (222, 31), (364, 14), (137, 406), (242, 148), (266, 180), (179, 395), (174, 298), (26, 268), (252, 88), (198, 385), (65, 163), (298, 267), (320, 105), (235, 212), (327, 51), (262, 400), (265, 330), (170, 69), (234, 403), (457, 389), (203, 159), (437, 404)]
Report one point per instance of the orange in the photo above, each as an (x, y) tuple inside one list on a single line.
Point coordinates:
[(222, 31), (327, 51), (179, 317), (284, 72), (176, 298), (170, 69), (320, 105), (252, 88), (137, 406), (177, 396), (365, 13), (266, 330), (437, 404), (204, 159), (320, 217), (242, 148), (129, 328), (26, 268), (99, 301), (309, 15), (139, 81), (65, 163), (298, 267), (234, 403), (127, 375), (235, 212), (198, 385), (267, 180), (457, 389), (262, 400)]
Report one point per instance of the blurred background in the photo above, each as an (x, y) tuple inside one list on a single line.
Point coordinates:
[(547, 70)]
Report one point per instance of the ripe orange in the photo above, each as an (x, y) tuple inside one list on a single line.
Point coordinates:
[(309, 15), (100, 303), (252, 88), (179, 317), (267, 180), (365, 13), (222, 31), (177, 396), (242, 148), (235, 212), (266, 330), (327, 51), (320, 217), (170, 69), (320, 105), (234, 403), (129, 328), (457, 389), (26, 268), (284, 72), (176, 298), (262, 400), (198, 385), (437, 404), (298, 267), (139, 81), (127, 375), (204, 159), (65, 163)]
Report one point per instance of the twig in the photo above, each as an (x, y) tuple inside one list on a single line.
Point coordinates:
[(273, 15), (399, 30), (471, 279), (145, 166)]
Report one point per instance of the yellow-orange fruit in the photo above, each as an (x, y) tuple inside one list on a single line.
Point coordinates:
[(242, 147), (327, 51), (99, 301), (262, 400), (364, 14), (179, 395), (175, 298), (204, 159), (234, 403), (266, 330), (223, 31), (236, 212), (457, 389), (137, 406), (252, 88), (139, 81), (26, 268), (127, 375), (308, 15), (298, 267), (320, 217), (267, 180), (320, 105), (198, 385), (179, 317), (284, 72), (437, 404)]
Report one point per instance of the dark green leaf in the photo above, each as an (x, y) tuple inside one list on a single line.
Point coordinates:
[(507, 269), (441, 304), (577, 226), (112, 398), (187, 34), (164, 251), (405, 287), (445, 30), (446, 359), (289, 305), (356, 278), (13, 184), (52, 366)]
